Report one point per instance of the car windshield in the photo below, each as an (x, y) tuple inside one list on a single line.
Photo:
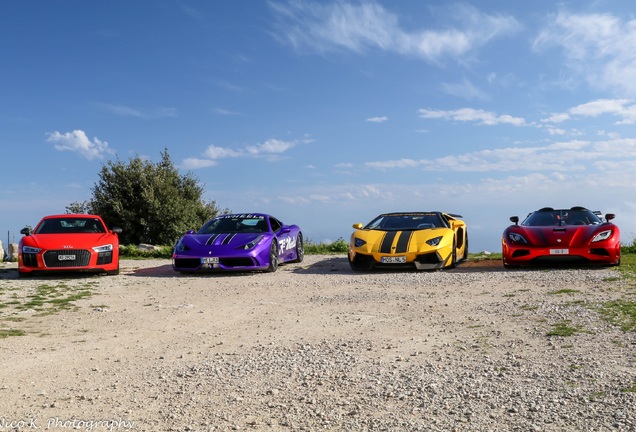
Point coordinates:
[(561, 217), (235, 224), (70, 226), (407, 221)]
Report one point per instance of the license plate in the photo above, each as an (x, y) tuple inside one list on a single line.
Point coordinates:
[(559, 251), (210, 260), (393, 260), (66, 257)]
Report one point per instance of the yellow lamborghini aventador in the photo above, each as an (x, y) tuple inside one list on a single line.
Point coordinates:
[(420, 240)]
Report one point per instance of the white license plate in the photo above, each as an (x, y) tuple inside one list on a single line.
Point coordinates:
[(393, 260), (559, 251), (66, 257), (210, 260)]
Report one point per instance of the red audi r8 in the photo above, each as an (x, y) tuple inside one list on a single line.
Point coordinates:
[(69, 242), (562, 236)]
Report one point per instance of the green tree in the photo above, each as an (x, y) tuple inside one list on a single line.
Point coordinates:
[(152, 203)]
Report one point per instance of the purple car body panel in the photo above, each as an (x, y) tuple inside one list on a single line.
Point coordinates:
[(238, 242)]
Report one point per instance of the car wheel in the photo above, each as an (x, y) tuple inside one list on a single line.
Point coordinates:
[(465, 256), (453, 262), (113, 272), (352, 265), (300, 249), (273, 257)]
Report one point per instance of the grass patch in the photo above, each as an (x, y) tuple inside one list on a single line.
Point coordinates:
[(621, 313), (339, 246), (630, 389), (45, 299), (564, 329), (5, 333), (564, 291), (628, 265)]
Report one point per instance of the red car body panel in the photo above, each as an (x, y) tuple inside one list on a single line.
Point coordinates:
[(69, 242), (565, 242)]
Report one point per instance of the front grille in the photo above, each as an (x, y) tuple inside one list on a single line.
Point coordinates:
[(237, 262), (30, 260), (187, 263), (520, 253), (428, 258), (600, 252), (81, 258)]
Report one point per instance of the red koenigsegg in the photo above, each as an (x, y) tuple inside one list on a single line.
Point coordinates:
[(562, 236)]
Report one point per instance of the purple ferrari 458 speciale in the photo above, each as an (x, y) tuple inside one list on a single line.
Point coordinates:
[(239, 242)]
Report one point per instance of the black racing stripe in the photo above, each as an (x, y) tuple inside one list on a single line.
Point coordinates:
[(403, 241), (387, 241), (228, 239), (211, 239)]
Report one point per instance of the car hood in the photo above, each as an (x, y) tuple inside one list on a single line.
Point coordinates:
[(69, 241), (562, 236), (196, 241)]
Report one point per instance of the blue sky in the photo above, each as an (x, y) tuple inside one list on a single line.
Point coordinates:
[(326, 113)]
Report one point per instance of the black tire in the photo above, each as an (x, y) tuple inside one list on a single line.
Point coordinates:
[(453, 262), (300, 248), (273, 257), (113, 272), (352, 265), (465, 257)]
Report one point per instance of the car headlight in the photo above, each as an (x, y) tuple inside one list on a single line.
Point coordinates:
[(358, 242), (105, 248), (434, 241), (29, 249), (603, 235), (252, 244), (517, 238)]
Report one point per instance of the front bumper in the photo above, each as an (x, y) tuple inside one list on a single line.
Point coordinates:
[(603, 253), (417, 261), (190, 263)]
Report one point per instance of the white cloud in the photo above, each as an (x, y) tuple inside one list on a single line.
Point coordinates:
[(472, 115), (215, 152), (377, 119), (271, 149), (599, 107), (597, 47), (77, 141), (563, 156), (622, 108), (359, 27), (194, 163), (271, 146), (556, 118)]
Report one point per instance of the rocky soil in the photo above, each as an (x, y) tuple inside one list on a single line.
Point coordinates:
[(315, 347)]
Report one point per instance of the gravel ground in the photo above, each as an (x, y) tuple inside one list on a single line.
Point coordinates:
[(316, 346)]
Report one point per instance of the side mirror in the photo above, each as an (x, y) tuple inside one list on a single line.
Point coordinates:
[(190, 232), (26, 230), (609, 216), (285, 230), (116, 230), (515, 219), (357, 225)]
